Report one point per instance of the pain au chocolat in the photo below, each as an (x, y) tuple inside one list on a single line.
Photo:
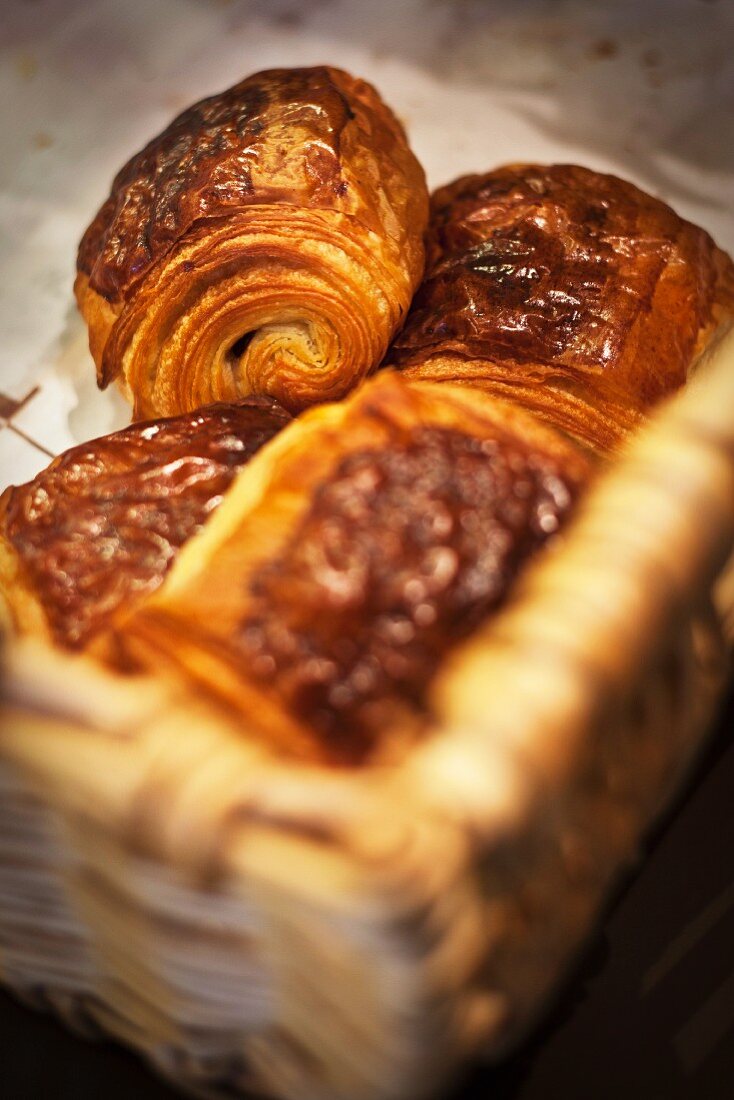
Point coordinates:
[(268, 241), (100, 527), (355, 552), (571, 292)]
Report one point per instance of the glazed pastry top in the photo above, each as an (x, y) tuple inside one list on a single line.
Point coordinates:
[(352, 555), (101, 526), (305, 137), (402, 552), (573, 288)]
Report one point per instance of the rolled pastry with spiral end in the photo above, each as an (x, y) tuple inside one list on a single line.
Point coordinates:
[(572, 292), (99, 528), (268, 241)]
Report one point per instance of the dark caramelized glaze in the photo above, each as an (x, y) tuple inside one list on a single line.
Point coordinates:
[(403, 552), (577, 290), (101, 526), (229, 151)]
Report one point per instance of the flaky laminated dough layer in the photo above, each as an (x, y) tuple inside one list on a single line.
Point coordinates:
[(268, 241)]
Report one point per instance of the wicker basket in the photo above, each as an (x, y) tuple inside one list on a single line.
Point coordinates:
[(253, 925)]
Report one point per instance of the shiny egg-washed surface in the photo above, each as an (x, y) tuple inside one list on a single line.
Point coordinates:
[(269, 241), (236, 149), (101, 526), (575, 292), (352, 557), (401, 554)]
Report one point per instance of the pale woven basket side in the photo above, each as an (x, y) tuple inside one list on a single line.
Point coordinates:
[(261, 956), (351, 936)]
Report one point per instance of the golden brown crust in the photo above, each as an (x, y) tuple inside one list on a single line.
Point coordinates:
[(353, 555), (100, 527), (268, 240), (572, 292)]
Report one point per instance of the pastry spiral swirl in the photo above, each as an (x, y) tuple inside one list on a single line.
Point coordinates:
[(268, 241)]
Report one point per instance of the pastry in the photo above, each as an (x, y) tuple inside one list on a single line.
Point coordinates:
[(351, 557), (100, 527), (268, 241), (571, 292)]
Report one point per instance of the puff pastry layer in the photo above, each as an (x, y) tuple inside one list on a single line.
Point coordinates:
[(572, 292), (100, 527), (269, 240)]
